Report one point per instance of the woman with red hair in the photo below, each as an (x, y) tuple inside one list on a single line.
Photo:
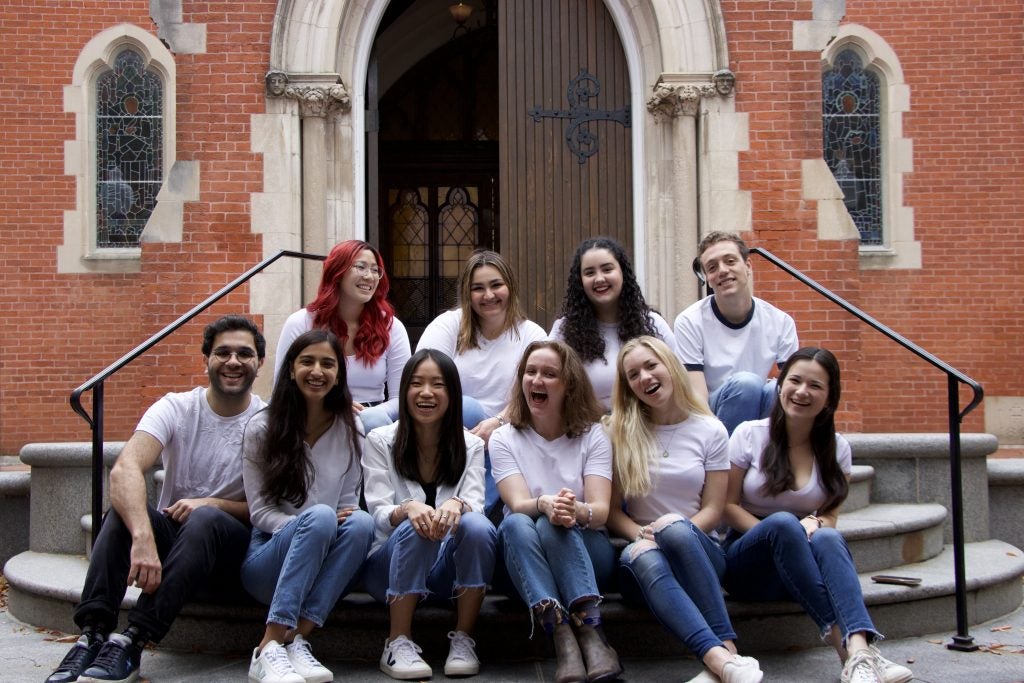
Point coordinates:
[(352, 303)]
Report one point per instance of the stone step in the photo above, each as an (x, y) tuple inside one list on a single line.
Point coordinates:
[(44, 586), (859, 496), (887, 535)]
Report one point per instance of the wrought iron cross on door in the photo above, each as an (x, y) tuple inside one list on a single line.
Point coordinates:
[(582, 141)]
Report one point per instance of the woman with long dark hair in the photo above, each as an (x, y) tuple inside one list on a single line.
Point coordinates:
[(788, 478), (352, 303), (603, 308), (425, 490), (302, 479), (671, 472), (552, 464)]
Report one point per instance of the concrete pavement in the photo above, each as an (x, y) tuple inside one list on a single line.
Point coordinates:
[(28, 654)]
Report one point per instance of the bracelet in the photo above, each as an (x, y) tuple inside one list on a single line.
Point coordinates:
[(462, 503), (500, 419), (401, 506), (538, 506), (640, 534), (816, 519), (590, 517)]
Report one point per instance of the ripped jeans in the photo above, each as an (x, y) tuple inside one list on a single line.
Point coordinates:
[(775, 561), (548, 563), (678, 576), (410, 564)]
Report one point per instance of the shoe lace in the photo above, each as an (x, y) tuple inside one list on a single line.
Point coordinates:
[(112, 655), (462, 646), (303, 651), (863, 668), (76, 656), (277, 659), (406, 651)]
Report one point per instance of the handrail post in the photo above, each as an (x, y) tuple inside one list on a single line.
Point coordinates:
[(962, 641), (97, 460)]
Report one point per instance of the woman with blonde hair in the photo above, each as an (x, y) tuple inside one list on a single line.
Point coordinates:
[(552, 463), (481, 334), (671, 473)]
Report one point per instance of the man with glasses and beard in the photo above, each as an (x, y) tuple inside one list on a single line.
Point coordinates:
[(197, 535)]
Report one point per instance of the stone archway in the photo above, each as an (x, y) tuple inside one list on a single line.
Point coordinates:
[(674, 45)]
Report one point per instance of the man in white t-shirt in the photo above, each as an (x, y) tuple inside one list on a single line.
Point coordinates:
[(730, 341), (197, 536)]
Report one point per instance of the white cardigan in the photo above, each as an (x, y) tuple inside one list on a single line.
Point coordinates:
[(385, 488)]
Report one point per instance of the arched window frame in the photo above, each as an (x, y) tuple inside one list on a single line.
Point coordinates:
[(899, 249), (78, 253)]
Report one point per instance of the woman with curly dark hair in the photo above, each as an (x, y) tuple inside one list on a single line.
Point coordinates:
[(302, 480), (603, 308)]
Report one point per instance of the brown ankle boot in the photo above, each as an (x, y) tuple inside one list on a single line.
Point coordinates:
[(567, 653), (602, 660)]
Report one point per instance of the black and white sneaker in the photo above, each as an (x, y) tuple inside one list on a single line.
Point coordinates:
[(78, 659)]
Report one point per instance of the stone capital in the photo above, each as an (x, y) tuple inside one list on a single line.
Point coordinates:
[(318, 95), (680, 94)]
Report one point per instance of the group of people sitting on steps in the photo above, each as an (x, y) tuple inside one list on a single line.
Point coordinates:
[(497, 456)]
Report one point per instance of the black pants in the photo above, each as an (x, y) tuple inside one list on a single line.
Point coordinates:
[(205, 552)]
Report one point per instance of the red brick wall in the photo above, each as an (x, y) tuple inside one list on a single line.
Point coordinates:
[(59, 329)]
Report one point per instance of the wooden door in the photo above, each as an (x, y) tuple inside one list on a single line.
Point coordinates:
[(564, 140)]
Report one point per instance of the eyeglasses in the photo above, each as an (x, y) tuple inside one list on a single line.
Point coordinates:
[(366, 269), (224, 354)]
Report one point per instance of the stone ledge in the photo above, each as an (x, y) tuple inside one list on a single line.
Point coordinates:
[(1006, 472), (919, 445)]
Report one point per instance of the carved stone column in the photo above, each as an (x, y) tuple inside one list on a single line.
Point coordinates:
[(321, 97), (676, 103)]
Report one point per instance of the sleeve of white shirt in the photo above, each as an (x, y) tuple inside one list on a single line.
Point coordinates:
[(689, 342), (377, 487), (664, 332), (297, 323), (598, 458), (160, 420), (788, 342), (556, 330), (472, 487), (264, 515), (741, 447), (716, 455), (503, 463), (397, 355), (844, 454), (441, 334), (531, 332)]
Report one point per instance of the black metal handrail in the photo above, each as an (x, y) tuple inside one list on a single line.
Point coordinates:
[(97, 381), (962, 640)]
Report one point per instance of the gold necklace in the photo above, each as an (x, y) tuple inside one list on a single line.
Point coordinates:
[(665, 445)]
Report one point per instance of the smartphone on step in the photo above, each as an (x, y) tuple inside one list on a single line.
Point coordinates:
[(896, 580)]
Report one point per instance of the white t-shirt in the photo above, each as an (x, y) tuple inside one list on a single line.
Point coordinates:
[(386, 488), (601, 371), (489, 371), (746, 449), (706, 341), (366, 382), (695, 446), (547, 466), (337, 476), (202, 451)]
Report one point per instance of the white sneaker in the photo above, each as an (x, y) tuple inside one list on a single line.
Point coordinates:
[(861, 668), (891, 671), (705, 676), (401, 659), (300, 654), (462, 659), (271, 665), (742, 670)]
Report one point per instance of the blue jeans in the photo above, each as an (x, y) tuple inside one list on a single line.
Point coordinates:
[(775, 561), (553, 564), (679, 580), (410, 564), (472, 415), (744, 396), (307, 565), (377, 416)]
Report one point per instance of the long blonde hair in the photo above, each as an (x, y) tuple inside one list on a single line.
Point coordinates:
[(630, 427)]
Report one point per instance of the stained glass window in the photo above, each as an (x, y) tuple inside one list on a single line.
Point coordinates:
[(851, 104), (129, 150)]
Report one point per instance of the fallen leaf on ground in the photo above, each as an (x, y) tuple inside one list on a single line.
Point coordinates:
[(1001, 628)]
